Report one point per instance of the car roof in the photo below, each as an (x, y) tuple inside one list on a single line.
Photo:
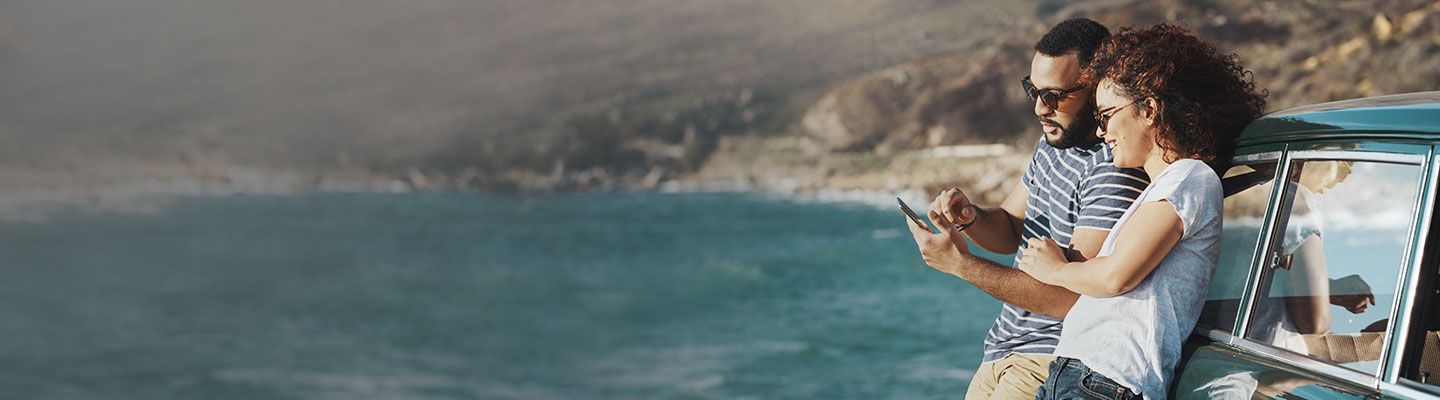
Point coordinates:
[(1413, 116)]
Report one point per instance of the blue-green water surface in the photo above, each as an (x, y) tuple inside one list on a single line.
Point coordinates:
[(453, 296)]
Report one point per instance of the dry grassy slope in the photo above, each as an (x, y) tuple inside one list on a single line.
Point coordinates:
[(1301, 52), (443, 85), (748, 71)]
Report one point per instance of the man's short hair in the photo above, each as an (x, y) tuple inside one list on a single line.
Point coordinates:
[(1080, 35)]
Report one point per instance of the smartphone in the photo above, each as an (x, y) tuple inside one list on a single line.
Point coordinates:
[(916, 218)]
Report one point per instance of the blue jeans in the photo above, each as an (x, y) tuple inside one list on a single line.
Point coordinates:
[(1071, 379)]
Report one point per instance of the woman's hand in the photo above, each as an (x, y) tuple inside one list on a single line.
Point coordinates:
[(1042, 258)]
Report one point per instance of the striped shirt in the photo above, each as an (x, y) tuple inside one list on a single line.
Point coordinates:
[(1078, 187)]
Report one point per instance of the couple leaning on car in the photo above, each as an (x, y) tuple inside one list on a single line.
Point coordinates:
[(1116, 220)]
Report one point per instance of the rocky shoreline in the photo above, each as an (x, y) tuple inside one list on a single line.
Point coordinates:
[(986, 171)]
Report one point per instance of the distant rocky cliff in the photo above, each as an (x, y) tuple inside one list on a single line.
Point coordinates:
[(1301, 53)]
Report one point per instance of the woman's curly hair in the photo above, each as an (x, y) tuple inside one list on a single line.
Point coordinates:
[(1205, 97)]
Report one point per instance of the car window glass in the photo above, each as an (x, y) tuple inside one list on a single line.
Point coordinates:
[(1247, 194), (1329, 283)]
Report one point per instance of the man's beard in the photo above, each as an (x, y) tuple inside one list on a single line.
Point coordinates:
[(1080, 131)]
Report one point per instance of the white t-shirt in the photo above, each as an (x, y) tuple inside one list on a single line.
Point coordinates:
[(1135, 338)]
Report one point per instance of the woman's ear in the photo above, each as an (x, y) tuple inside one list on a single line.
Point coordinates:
[(1152, 111)]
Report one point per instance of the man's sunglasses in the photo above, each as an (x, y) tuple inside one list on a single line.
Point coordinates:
[(1050, 97)]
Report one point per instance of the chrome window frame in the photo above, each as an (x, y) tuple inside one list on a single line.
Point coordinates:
[(1297, 361), (1282, 167), (1266, 244), (1409, 390)]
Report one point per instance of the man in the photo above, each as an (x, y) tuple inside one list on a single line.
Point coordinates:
[(1071, 193)]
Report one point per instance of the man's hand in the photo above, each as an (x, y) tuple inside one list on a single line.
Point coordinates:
[(949, 252), (954, 207), (1352, 293), (1041, 258), (942, 251)]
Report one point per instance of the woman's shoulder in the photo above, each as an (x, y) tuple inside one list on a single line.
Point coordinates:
[(1191, 171), (1191, 175)]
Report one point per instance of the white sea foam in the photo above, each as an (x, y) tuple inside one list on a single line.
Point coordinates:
[(153, 195), (687, 368), (337, 385), (883, 199), (932, 373), (880, 234)]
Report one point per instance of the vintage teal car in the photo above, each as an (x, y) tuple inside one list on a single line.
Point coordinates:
[(1327, 283)]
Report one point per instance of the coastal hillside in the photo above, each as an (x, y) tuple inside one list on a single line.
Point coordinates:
[(487, 95), (882, 130), (541, 96)]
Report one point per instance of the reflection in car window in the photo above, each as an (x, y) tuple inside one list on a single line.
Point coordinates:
[(1247, 194), (1329, 285)]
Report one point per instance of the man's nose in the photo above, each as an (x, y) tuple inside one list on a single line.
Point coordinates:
[(1041, 109)]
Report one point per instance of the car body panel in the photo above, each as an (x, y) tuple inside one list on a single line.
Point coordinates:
[(1414, 116)]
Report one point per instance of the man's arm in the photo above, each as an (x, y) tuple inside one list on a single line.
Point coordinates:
[(946, 252), (998, 229), (1022, 290), (1014, 286)]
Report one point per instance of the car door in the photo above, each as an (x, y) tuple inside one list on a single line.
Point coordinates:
[(1303, 301)]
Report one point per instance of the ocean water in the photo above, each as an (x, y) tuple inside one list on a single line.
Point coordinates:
[(456, 296)]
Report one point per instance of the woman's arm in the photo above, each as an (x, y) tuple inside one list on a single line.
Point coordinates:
[(1308, 302), (1144, 240)]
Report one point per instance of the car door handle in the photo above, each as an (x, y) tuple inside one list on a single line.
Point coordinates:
[(1280, 261)]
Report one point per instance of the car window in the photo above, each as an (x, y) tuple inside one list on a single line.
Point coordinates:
[(1247, 194), (1328, 285)]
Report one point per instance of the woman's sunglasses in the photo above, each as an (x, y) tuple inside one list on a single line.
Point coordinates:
[(1050, 97), (1103, 117)]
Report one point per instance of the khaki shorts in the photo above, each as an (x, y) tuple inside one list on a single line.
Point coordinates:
[(1017, 376)]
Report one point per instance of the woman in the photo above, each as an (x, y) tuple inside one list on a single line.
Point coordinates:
[(1172, 105)]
